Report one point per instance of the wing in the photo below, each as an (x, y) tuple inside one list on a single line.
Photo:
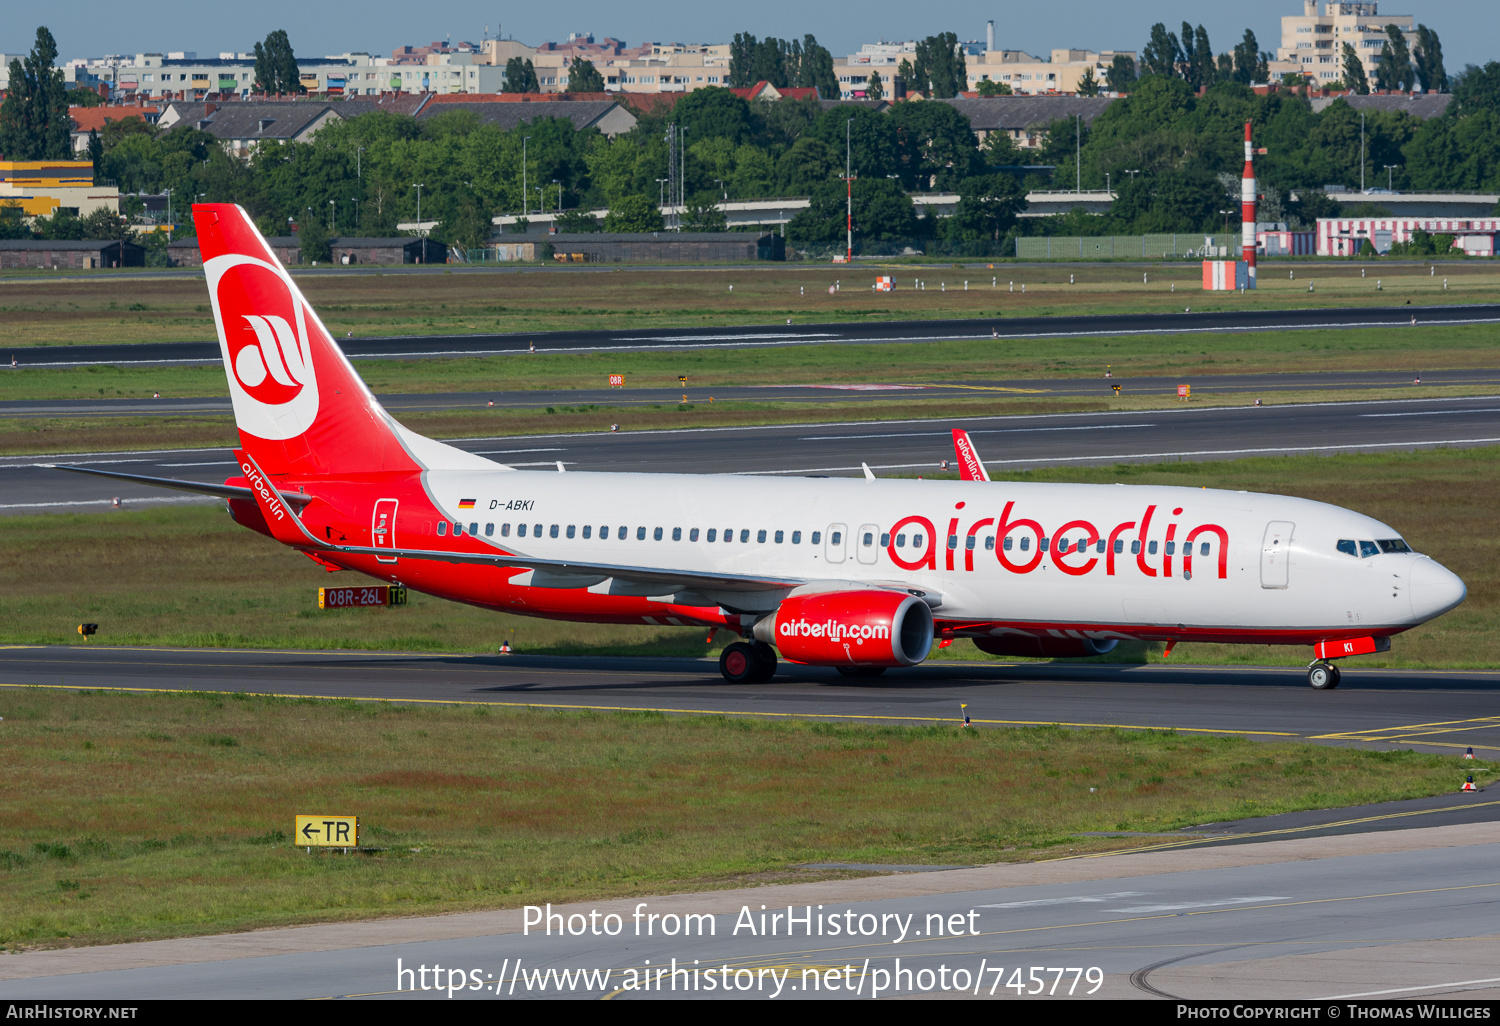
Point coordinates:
[(223, 491)]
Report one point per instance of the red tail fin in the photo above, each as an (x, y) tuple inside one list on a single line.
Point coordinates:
[(970, 466), (300, 407)]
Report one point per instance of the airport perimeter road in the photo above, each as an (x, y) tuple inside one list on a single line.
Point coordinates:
[(1435, 710), (903, 447), (1406, 914), (1477, 380), (1093, 326)]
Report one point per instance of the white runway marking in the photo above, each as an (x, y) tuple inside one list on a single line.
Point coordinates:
[(1077, 899), (216, 463), (1183, 905), (978, 431), (1427, 413)]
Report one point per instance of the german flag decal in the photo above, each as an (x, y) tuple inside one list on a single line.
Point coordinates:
[(465, 503)]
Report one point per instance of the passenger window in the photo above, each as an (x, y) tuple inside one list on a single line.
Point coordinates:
[(1008, 542), (885, 540), (796, 537), (900, 541), (989, 544), (520, 530), (1202, 549), (1025, 543), (489, 530), (442, 529), (836, 538), (817, 537), (728, 534), (622, 533), (1368, 548), (1045, 543), (505, 530), (1100, 547), (869, 539), (536, 530), (640, 534), (760, 536), (970, 541), (1135, 548), (713, 534), (745, 535), (458, 529), (604, 533), (1119, 546), (473, 528), (588, 530), (1151, 548), (953, 541), (553, 533), (693, 534), (571, 530), (677, 534), (780, 536), (1348, 548), (655, 534), (916, 541), (1171, 548)]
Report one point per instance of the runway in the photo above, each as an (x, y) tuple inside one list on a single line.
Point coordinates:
[(1484, 380), (411, 347), (1404, 915), (892, 447), (1433, 710)]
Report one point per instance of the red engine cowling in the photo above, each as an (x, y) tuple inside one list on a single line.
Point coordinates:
[(850, 628), (1044, 648)]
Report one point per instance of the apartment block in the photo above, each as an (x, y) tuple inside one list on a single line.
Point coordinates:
[(1312, 43)]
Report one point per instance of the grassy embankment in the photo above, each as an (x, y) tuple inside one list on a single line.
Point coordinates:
[(101, 309), (190, 576), (135, 816)]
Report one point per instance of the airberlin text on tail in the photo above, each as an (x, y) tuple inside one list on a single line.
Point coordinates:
[(270, 502)]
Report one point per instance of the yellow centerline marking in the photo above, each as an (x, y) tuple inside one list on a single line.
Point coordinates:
[(657, 709)]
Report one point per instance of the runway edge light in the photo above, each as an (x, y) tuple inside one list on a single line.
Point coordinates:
[(1469, 785)]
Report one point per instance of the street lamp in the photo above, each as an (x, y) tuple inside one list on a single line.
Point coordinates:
[(169, 213), (333, 218), (720, 183), (661, 193), (1388, 169), (525, 203), (419, 189), (1135, 172), (359, 170)]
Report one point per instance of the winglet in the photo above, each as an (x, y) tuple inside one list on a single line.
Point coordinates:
[(283, 524), (970, 466)]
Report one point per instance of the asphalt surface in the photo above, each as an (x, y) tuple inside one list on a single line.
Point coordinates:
[(1435, 710), (1349, 923), (902, 447), (916, 392), (1092, 326)]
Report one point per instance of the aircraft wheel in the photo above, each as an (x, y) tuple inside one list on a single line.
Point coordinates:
[(861, 671), (738, 663), (1323, 676), (765, 661)]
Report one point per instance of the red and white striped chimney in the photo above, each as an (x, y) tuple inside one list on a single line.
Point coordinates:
[(1247, 205)]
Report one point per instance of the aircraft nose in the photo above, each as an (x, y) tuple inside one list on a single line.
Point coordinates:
[(1434, 589)]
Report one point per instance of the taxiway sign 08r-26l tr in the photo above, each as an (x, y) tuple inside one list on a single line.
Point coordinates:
[(856, 574)]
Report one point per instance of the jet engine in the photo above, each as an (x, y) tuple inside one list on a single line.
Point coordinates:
[(850, 628)]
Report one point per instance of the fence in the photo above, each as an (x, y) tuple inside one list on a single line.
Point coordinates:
[(1149, 247)]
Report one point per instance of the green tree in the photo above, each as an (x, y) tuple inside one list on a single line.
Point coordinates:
[(633, 214), (1162, 54), (809, 164), (312, 236), (742, 61), (520, 76), (1088, 85), (34, 122), (1354, 72), (13, 221), (936, 146), (1428, 57), (988, 206), (872, 140), (1394, 70), (578, 221), (989, 87), (874, 88), (1197, 57), (1121, 74), (815, 69), (80, 97), (1476, 89), (882, 212), (276, 66), (939, 68), (96, 155), (714, 113), (1250, 65), (583, 77), (703, 215)]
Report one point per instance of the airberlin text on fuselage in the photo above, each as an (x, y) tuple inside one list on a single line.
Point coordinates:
[(252, 476), (1074, 547), (833, 629)]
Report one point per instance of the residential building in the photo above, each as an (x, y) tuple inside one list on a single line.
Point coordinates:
[(606, 115), (1312, 43), (93, 119), (1025, 118), (242, 126), (1062, 72), (41, 187)]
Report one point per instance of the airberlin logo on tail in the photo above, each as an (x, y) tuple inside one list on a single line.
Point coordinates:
[(834, 630), (258, 483), (263, 332)]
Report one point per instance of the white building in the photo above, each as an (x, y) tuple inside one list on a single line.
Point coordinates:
[(1312, 43)]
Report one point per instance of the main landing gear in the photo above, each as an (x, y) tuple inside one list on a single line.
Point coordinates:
[(1323, 676), (741, 663)]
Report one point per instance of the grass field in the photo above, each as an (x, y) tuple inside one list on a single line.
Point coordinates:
[(188, 575), (102, 309), (1402, 349), (135, 816)]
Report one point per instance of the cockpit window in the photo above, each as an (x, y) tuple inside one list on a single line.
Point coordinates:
[(1348, 548), (1393, 545), (1368, 548)]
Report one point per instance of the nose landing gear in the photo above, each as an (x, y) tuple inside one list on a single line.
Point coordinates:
[(1323, 676)]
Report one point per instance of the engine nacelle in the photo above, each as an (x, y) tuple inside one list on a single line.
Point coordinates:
[(1044, 648), (850, 628)]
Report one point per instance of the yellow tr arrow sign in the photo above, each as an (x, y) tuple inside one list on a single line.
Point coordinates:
[(327, 831)]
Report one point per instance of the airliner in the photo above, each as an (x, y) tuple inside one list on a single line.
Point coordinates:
[(856, 574)]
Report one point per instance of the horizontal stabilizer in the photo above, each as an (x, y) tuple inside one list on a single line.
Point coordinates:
[(223, 491)]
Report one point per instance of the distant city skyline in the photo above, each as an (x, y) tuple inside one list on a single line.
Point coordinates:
[(1469, 29)]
